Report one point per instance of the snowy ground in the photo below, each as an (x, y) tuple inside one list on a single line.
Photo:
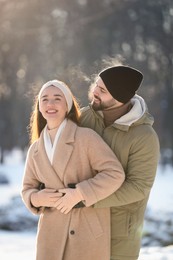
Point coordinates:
[(21, 246), (17, 246)]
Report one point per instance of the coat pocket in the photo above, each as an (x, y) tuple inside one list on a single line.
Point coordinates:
[(93, 220), (120, 224)]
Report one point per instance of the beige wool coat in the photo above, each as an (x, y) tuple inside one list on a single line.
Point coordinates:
[(82, 157)]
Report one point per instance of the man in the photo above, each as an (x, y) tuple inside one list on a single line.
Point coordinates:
[(121, 117)]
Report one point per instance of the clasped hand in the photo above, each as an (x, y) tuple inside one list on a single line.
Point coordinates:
[(64, 199), (45, 198), (69, 200)]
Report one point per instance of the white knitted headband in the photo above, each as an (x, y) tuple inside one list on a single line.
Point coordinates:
[(65, 90)]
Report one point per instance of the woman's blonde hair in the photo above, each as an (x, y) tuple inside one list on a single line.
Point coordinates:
[(38, 122)]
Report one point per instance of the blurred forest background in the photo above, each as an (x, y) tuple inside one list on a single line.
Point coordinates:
[(72, 40)]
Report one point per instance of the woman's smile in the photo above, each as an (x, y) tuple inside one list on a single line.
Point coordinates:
[(51, 111)]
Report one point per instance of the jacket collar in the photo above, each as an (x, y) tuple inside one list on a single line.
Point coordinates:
[(138, 114)]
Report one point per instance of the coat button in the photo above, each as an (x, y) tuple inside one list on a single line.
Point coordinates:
[(72, 232)]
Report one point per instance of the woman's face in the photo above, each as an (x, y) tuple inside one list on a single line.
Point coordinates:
[(53, 106)]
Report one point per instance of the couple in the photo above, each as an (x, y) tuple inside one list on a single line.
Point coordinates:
[(91, 206)]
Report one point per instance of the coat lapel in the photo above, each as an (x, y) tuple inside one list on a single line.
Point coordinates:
[(64, 149), (54, 174)]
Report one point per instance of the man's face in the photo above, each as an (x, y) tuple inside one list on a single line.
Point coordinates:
[(101, 98)]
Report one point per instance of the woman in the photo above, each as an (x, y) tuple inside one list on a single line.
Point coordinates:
[(77, 169)]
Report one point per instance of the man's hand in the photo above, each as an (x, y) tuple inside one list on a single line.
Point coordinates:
[(45, 198), (69, 200)]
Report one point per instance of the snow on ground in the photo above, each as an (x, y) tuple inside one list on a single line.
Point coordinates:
[(156, 253), (161, 196), (16, 245), (13, 169), (21, 245)]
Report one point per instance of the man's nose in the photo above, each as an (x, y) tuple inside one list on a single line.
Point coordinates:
[(96, 91)]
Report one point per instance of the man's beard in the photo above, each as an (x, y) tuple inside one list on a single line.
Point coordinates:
[(98, 106), (101, 106)]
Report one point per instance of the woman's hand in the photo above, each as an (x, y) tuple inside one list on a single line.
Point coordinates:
[(45, 198), (69, 200)]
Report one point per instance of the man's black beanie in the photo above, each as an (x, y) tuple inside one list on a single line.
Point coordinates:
[(121, 81)]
